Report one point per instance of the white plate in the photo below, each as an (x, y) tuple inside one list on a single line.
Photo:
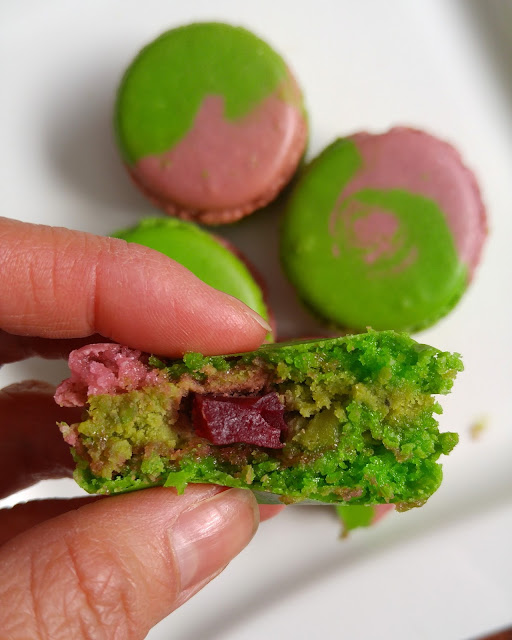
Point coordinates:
[(444, 571)]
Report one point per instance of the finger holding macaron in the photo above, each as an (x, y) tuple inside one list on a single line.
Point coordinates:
[(211, 258)]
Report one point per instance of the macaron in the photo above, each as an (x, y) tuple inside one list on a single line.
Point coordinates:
[(211, 259), (210, 122), (383, 231)]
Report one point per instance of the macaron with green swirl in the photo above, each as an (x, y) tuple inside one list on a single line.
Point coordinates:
[(384, 231), (210, 122)]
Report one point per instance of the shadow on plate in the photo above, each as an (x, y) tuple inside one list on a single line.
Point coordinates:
[(81, 147), (305, 574), (494, 18)]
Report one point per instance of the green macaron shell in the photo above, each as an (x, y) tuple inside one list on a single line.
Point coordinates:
[(406, 289), (163, 88), (202, 254)]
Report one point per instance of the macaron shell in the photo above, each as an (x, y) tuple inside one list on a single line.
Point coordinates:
[(427, 166), (385, 237), (256, 162), (210, 122), (200, 252), (258, 278)]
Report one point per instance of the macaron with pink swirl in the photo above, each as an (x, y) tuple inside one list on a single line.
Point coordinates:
[(210, 122), (384, 231)]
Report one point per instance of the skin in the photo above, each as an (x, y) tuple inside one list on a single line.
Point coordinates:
[(86, 568), (197, 250)]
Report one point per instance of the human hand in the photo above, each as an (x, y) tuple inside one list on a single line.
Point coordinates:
[(104, 567)]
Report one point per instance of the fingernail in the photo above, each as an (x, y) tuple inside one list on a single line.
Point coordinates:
[(261, 321), (251, 313), (207, 536), (188, 593)]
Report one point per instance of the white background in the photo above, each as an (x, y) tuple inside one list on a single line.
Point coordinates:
[(444, 571)]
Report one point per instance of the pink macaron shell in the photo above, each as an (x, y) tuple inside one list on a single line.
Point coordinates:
[(409, 159), (223, 170)]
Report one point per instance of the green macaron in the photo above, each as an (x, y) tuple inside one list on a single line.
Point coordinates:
[(209, 258), (383, 231)]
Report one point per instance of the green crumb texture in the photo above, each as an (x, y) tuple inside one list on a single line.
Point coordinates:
[(360, 412)]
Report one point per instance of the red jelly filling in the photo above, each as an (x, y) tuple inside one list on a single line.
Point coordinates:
[(226, 420)]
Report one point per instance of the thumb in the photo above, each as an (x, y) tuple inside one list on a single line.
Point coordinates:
[(114, 568)]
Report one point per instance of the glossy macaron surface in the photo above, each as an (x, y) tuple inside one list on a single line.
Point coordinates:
[(383, 231), (210, 120)]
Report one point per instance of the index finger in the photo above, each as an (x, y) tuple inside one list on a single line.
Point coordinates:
[(58, 283)]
